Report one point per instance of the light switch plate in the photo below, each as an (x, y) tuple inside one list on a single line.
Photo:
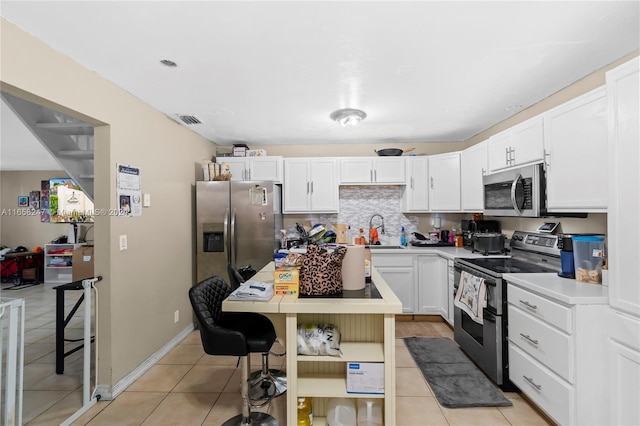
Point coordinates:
[(123, 242), (146, 200)]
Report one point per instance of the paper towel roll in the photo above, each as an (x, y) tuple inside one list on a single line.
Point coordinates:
[(353, 268)]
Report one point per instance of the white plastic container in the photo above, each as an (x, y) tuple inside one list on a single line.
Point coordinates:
[(370, 412), (341, 412)]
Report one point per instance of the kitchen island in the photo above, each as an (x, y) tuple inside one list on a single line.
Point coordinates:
[(367, 331)]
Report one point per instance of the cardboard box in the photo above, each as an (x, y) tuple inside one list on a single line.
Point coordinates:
[(29, 274), (286, 275), (365, 377), (286, 280), (82, 262), (286, 289)]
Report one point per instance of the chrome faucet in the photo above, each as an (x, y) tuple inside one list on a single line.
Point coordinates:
[(381, 226)]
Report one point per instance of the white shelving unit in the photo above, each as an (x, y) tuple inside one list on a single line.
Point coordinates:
[(54, 272), (324, 377)]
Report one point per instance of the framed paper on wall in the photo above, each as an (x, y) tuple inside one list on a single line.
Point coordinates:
[(34, 200), (23, 201)]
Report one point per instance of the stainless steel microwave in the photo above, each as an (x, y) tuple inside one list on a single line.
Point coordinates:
[(516, 192)]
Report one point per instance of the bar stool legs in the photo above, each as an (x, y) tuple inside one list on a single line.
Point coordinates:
[(267, 383), (247, 417)]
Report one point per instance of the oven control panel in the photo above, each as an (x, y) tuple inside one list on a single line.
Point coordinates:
[(538, 242)]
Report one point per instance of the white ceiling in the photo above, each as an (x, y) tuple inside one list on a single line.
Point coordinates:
[(271, 72)]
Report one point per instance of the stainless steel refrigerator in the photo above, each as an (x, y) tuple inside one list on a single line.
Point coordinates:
[(235, 223)]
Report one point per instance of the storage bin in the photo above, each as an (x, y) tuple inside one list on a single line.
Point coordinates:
[(588, 255)]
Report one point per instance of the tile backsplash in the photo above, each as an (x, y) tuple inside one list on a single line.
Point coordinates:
[(357, 204)]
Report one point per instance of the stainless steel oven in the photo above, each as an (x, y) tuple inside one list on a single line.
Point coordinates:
[(486, 343), (479, 340)]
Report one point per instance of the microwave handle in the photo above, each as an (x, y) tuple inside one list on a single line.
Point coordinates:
[(514, 185)]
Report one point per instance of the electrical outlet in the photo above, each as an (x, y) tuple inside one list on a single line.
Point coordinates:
[(123, 242), (176, 316)]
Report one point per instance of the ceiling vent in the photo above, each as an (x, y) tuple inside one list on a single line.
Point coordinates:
[(189, 120)]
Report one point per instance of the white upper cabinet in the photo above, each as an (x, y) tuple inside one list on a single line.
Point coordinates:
[(254, 168), (372, 170), (444, 182), (623, 232), (310, 185), (575, 141), (416, 195), (473, 166), (521, 144)]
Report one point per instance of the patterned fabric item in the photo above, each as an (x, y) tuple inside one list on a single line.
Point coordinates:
[(321, 271), (471, 296)]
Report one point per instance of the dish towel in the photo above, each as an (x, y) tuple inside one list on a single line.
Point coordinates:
[(471, 296)]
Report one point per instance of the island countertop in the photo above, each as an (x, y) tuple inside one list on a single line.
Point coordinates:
[(388, 304)]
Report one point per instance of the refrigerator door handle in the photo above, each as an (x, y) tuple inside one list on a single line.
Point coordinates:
[(234, 245), (226, 231)]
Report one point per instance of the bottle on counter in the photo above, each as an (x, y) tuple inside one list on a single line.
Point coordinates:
[(403, 237), (283, 238), (305, 412), (351, 235)]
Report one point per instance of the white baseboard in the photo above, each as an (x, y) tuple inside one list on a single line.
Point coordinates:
[(108, 393)]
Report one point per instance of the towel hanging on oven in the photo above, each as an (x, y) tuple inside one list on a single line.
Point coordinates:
[(471, 296)]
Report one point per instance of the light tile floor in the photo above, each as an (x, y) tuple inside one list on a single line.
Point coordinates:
[(188, 387)]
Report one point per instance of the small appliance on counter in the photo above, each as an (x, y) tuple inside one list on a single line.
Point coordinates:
[(471, 227), (488, 243)]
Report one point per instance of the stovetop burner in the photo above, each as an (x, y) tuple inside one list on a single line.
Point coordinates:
[(531, 253), (508, 265)]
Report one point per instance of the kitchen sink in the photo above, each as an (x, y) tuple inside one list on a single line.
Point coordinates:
[(380, 247)]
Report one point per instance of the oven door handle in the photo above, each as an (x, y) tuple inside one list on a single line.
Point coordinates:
[(487, 316), (514, 185), (468, 271)]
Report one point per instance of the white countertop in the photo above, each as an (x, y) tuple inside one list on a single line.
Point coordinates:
[(564, 290), (445, 251)]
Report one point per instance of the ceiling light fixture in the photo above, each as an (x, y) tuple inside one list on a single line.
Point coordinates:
[(168, 63), (348, 116)]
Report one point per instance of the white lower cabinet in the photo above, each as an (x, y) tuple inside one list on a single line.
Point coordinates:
[(432, 285), (545, 338), (624, 357), (450, 290), (398, 271)]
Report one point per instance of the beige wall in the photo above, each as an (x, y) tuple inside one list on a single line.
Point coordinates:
[(16, 227), (580, 87), (144, 285)]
